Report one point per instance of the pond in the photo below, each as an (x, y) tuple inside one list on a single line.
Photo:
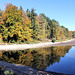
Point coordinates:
[(56, 59)]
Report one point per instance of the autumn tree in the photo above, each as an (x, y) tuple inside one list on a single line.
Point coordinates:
[(14, 26), (54, 26), (48, 28), (47, 22), (43, 25), (1, 12)]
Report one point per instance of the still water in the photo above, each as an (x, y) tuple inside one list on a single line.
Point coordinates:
[(57, 59)]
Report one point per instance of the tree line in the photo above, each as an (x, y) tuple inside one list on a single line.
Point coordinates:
[(17, 25)]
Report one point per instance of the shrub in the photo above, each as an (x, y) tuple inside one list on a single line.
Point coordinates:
[(53, 40), (8, 72)]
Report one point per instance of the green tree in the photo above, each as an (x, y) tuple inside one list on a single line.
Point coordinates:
[(35, 24), (43, 25), (73, 34), (28, 13)]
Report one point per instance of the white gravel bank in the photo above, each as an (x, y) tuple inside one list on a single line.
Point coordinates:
[(38, 45)]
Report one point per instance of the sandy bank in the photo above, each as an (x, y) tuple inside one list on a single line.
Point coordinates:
[(38, 45)]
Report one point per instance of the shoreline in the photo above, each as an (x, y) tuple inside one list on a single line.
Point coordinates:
[(37, 45)]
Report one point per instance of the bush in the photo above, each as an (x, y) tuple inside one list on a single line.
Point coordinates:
[(53, 40), (27, 42), (9, 72), (12, 41)]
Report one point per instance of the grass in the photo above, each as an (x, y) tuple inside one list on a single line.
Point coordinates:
[(35, 41), (25, 42), (63, 40)]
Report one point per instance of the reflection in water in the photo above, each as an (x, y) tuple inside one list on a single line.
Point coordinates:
[(37, 58)]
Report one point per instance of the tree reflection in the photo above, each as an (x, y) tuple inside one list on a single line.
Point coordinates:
[(37, 58)]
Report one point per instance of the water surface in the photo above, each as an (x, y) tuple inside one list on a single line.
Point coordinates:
[(66, 64), (57, 59)]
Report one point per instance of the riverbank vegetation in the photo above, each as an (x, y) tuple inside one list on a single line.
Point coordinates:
[(17, 25)]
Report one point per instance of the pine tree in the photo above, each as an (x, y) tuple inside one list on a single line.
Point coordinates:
[(35, 24), (43, 25)]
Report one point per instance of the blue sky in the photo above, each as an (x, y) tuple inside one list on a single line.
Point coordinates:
[(61, 10)]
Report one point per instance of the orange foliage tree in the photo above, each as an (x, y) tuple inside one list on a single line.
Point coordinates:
[(14, 26)]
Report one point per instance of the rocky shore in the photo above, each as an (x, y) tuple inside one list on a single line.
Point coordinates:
[(25, 70)]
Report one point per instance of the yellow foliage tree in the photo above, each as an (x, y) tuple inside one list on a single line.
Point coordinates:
[(15, 27)]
